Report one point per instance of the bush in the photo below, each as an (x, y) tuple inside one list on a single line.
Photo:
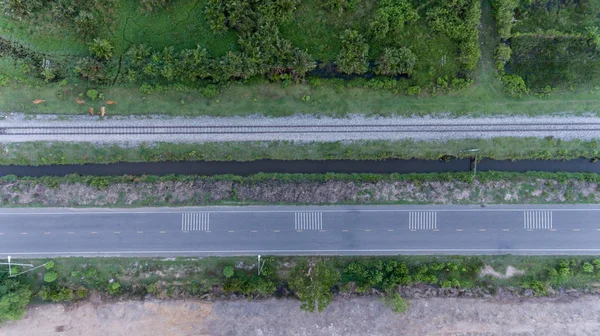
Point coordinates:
[(514, 86), (391, 16), (210, 91), (352, 58), (92, 94), (56, 294), (396, 303), (504, 11), (49, 265), (396, 61), (151, 5), (414, 90), (14, 297), (114, 288), (228, 271), (50, 276), (339, 6), (587, 267), (502, 56), (312, 284), (539, 287), (101, 48)]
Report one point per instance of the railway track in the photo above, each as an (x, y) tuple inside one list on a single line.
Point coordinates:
[(299, 129)]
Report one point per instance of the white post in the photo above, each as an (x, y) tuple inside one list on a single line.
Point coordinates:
[(9, 268), (259, 264)]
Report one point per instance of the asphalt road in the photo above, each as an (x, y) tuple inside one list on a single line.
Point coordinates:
[(335, 230)]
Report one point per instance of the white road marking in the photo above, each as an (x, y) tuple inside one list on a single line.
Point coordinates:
[(533, 220), (422, 220), (308, 220), (195, 221)]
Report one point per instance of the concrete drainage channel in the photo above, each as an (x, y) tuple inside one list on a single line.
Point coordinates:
[(303, 166)]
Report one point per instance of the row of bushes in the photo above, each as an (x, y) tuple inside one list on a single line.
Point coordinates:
[(103, 182)]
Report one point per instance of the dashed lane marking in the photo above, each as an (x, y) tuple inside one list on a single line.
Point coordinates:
[(140, 232), (117, 232), (93, 232), (70, 233), (23, 233), (163, 231), (459, 230), (46, 233)]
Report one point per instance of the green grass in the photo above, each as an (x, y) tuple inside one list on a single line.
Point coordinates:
[(45, 153), (182, 25)]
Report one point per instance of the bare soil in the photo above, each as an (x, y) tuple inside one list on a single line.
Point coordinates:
[(356, 316), (201, 191)]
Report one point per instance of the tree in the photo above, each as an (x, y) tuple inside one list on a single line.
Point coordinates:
[(313, 283), (352, 58), (101, 48), (302, 62), (228, 271), (21, 8), (339, 5), (395, 61)]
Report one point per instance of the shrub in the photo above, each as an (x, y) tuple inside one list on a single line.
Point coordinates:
[(587, 267), (352, 58), (228, 271), (101, 48), (312, 284), (514, 86), (100, 182), (114, 288), (396, 61), (414, 90), (21, 8), (339, 6), (539, 287), (56, 294), (14, 296), (151, 5), (49, 265), (92, 94), (50, 276), (391, 16), (209, 91), (504, 11), (396, 303), (501, 56)]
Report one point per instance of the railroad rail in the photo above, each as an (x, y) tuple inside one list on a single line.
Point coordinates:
[(287, 129)]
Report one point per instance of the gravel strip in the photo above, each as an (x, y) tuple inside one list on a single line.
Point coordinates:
[(309, 128)]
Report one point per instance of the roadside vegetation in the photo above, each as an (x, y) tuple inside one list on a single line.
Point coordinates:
[(315, 281), (323, 189), (547, 46), (211, 57), (58, 153)]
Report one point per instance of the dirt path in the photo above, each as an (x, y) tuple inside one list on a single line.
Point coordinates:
[(364, 316)]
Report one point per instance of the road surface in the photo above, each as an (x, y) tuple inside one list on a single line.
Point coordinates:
[(339, 230)]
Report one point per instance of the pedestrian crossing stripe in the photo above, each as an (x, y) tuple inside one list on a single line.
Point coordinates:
[(422, 220), (308, 221), (533, 220), (195, 221)]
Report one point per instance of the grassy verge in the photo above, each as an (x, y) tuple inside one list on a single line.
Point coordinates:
[(69, 279), (325, 189), (47, 153)]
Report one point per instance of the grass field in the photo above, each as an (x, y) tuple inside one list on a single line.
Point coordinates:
[(42, 153)]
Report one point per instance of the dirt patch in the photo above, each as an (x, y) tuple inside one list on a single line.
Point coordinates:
[(510, 272), (344, 317), (206, 191)]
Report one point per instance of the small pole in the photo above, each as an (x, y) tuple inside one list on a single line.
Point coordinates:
[(9, 268), (476, 151), (259, 264)]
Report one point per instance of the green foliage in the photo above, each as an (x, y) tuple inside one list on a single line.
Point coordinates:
[(514, 86), (504, 11), (413, 90), (253, 285), (352, 58), (540, 288), (587, 267), (396, 61), (92, 94), (391, 16), (153, 5), (377, 274), (49, 265), (101, 49), (339, 6), (312, 284), (114, 288), (501, 57), (100, 182), (228, 271), (56, 294), (21, 8), (50, 276), (14, 296), (396, 303)]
